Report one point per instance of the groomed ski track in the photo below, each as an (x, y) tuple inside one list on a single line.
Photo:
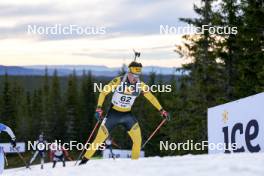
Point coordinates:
[(245, 164)]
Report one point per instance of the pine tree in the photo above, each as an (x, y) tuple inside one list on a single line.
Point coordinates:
[(46, 106), (56, 120), (251, 39), (8, 115), (24, 125), (205, 80), (22, 128), (229, 51), (72, 110), (37, 111), (87, 106)]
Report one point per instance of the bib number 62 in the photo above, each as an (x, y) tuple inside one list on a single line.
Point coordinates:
[(125, 99)]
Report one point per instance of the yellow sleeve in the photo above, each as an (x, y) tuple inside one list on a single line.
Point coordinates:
[(107, 89), (150, 97)]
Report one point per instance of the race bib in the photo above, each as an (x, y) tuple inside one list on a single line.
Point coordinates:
[(58, 153), (123, 100)]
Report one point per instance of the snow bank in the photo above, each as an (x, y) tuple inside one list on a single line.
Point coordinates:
[(245, 164)]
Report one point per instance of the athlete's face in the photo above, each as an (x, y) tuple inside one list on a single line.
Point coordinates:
[(133, 79)]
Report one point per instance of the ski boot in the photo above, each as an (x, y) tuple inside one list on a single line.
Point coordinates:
[(83, 161)]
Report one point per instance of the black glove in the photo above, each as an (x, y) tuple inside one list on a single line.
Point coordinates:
[(13, 142)]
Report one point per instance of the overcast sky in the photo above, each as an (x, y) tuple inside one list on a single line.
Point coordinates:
[(127, 24)]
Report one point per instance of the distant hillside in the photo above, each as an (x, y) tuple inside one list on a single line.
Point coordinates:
[(64, 70), (14, 70)]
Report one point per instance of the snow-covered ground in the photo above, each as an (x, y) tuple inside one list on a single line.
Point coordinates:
[(188, 165)]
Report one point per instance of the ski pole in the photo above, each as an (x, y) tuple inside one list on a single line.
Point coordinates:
[(95, 127), (154, 132), (21, 157)]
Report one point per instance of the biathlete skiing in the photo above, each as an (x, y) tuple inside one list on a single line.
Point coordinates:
[(58, 153), (13, 142), (126, 89), (39, 152)]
